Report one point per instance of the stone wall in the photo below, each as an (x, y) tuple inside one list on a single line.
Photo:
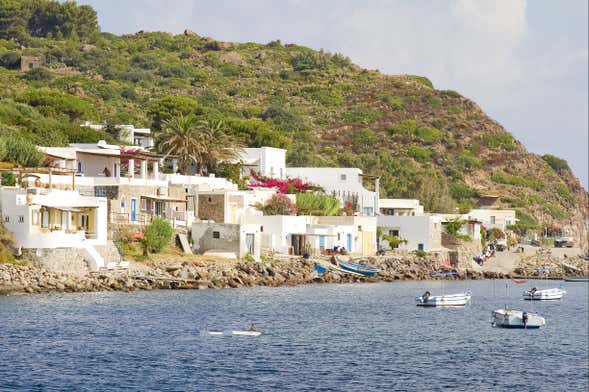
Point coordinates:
[(211, 207), (69, 261)]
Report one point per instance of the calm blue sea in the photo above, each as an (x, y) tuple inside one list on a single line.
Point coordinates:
[(352, 337)]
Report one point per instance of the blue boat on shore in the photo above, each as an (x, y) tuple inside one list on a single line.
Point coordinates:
[(359, 268)]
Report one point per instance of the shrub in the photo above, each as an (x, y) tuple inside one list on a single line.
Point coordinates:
[(393, 240), (22, 152), (393, 101), (420, 154), (308, 61), (556, 163), (455, 109), (451, 93), (468, 161), (315, 203), (461, 191), (453, 226), (279, 204), (508, 179), (410, 127), (428, 134), (53, 103), (420, 253), (422, 80), (10, 60), (434, 101), (157, 235), (501, 140), (564, 192), (364, 137), (361, 116), (8, 179), (38, 74)]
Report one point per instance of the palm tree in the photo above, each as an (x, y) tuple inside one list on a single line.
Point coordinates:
[(204, 143), (221, 147), (179, 138)]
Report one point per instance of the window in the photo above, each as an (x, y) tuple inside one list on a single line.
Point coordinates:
[(419, 246), (100, 192), (343, 177), (143, 205), (261, 229), (492, 220), (45, 219), (6, 219), (216, 235), (21, 219), (79, 167), (210, 199)]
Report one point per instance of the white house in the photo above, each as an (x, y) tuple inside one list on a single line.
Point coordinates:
[(402, 207), (296, 234), (422, 232), (227, 239), (41, 219), (265, 161), (346, 184), (492, 218), (137, 136), (128, 133)]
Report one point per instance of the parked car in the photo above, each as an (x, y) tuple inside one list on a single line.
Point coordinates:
[(563, 242)]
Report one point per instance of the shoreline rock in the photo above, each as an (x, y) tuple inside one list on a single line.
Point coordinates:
[(189, 274)]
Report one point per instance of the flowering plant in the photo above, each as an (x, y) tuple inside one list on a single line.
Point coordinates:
[(288, 186)]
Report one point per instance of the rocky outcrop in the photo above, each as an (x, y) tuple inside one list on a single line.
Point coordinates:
[(198, 274)]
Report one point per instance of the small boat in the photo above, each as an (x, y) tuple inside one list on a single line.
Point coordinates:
[(320, 269), (215, 332), (358, 268), (246, 333), (577, 279), (507, 318), (459, 299), (542, 295)]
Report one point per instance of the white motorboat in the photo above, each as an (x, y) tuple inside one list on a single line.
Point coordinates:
[(459, 299), (507, 318), (214, 332), (542, 295), (246, 333)]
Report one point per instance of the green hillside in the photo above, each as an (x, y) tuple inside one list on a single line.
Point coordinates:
[(425, 143)]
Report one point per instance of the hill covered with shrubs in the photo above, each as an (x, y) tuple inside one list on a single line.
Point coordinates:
[(57, 70)]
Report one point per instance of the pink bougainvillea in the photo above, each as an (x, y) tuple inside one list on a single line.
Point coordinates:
[(288, 186)]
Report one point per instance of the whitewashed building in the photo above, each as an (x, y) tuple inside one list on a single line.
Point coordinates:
[(43, 219), (422, 232), (346, 184), (400, 207), (492, 218), (265, 161)]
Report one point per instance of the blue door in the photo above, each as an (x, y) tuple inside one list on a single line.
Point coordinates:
[(349, 243), (133, 210), (321, 241)]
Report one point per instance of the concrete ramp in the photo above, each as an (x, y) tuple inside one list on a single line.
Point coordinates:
[(183, 239), (96, 260)]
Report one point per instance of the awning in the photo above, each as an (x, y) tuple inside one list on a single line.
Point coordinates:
[(63, 208), (164, 198)]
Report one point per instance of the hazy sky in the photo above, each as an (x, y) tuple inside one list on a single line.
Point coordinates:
[(524, 62)]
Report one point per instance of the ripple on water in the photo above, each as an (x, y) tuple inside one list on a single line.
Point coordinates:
[(368, 337)]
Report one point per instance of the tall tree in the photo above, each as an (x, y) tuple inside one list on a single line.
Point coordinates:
[(203, 143)]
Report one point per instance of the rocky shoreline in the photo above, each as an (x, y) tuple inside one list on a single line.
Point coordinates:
[(181, 273)]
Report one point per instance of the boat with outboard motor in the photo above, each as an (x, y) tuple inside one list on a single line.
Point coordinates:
[(543, 295), (509, 318), (459, 299)]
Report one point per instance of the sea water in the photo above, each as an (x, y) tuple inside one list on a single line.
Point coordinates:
[(348, 337)]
